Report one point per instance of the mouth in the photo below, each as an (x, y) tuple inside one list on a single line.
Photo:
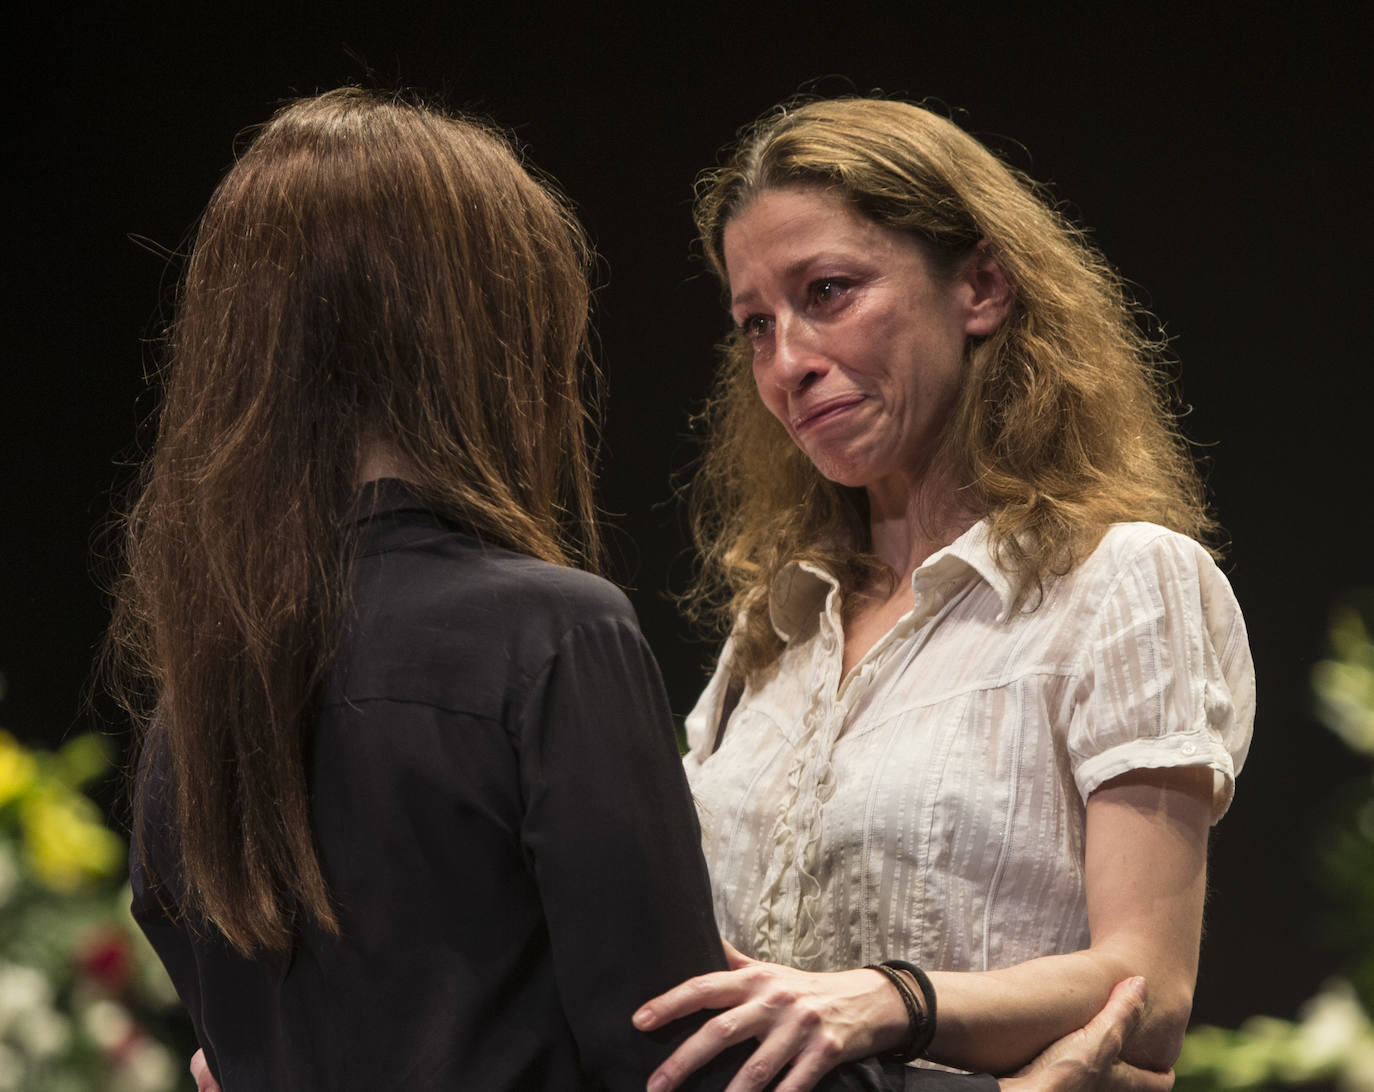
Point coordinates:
[(822, 412)]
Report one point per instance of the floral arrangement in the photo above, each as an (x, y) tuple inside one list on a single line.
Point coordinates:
[(1332, 1041), (84, 1004)]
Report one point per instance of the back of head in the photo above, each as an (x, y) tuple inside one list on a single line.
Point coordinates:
[(370, 275), (373, 270), (1061, 426)]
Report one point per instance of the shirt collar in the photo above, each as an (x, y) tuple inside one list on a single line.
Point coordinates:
[(383, 497), (798, 592), (974, 550), (389, 512), (801, 588)]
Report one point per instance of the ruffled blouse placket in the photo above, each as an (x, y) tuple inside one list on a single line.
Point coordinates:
[(788, 926)]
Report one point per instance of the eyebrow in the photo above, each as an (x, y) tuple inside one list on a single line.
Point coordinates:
[(744, 298)]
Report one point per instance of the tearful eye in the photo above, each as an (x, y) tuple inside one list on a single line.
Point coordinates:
[(754, 327), (828, 290)]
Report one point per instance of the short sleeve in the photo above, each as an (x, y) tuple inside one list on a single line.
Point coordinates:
[(1166, 677)]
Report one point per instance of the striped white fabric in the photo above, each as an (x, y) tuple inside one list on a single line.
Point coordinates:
[(930, 806)]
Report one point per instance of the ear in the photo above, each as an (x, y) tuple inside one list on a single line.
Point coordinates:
[(988, 292)]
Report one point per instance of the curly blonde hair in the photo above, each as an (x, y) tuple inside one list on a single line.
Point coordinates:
[(1062, 426)]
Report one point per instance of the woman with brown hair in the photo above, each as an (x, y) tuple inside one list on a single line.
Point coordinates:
[(985, 690), (407, 771), (407, 779)]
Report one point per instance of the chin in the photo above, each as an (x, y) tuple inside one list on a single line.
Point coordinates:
[(856, 469), (851, 477), (834, 467)]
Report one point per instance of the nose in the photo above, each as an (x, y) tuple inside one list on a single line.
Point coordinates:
[(796, 361)]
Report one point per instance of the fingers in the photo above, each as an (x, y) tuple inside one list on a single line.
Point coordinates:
[(805, 1023), (1088, 1059), (1110, 1028), (820, 1057), (200, 1070), (801, 1042), (1124, 1077), (1125, 1005), (723, 1030), (717, 990), (706, 991), (808, 1049)]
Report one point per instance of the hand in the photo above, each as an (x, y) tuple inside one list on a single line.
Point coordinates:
[(808, 1021), (200, 1070), (1089, 1058)]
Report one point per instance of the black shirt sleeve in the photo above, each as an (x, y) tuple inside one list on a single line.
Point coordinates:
[(613, 839)]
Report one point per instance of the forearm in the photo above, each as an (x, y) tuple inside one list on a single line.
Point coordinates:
[(1090, 1057), (997, 1021), (1145, 877)]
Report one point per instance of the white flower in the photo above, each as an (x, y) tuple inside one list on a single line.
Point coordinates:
[(12, 1069), (1332, 1023), (148, 1067), (22, 990), (108, 1023), (41, 1032), (1358, 1072)]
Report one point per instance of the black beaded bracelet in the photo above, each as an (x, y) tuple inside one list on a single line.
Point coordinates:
[(920, 1020), (913, 1015)]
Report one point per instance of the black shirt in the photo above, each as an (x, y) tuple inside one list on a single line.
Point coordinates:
[(506, 831)]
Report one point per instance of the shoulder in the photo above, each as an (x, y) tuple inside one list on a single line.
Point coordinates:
[(1125, 544), (552, 601), (1160, 594), (455, 574), (558, 604), (1144, 578), (451, 620), (1147, 562)]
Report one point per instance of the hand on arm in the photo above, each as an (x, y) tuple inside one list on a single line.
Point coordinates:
[(811, 1022), (1145, 877), (1090, 1057)]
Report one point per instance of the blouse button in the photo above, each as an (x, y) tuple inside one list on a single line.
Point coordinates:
[(1189, 748)]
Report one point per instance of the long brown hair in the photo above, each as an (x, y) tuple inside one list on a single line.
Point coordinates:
[(369, 272), (1063, 423)]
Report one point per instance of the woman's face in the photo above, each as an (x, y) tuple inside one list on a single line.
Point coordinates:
[(858, 340)]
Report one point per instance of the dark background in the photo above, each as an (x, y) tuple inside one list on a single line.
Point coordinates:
[(1215, 157)]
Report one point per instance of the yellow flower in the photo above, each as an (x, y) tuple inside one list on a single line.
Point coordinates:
[(67, 844), (17, 768)]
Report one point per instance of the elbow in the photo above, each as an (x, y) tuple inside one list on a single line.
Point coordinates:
[(1158, 1038)]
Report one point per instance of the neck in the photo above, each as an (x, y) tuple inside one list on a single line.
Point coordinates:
[(377, 460), (912, 519)]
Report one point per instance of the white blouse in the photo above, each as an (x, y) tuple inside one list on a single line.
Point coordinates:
[(930, 805)]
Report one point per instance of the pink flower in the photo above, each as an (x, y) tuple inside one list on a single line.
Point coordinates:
[(108, 960)]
